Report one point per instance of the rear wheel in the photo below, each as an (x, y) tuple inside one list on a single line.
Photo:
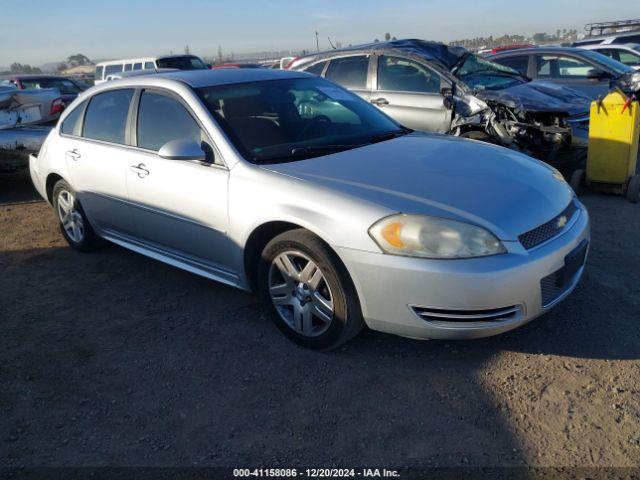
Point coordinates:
[(633, 189), (308, 291), (74, 224)]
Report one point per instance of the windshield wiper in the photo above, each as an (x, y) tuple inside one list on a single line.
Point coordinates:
[(381, 137), (322, 148), (492, 72)]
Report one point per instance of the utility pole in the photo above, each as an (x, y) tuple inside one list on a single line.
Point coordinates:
[(317, 42)]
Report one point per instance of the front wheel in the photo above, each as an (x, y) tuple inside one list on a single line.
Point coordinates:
[(308, 291), (74, 225)]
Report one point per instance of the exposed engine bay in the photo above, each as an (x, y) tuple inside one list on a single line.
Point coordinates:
[(558, 137)]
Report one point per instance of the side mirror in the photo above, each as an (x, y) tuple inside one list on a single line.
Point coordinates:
[(597, 74), (182, 150)]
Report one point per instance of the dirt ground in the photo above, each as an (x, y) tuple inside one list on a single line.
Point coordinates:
[(111, 358)]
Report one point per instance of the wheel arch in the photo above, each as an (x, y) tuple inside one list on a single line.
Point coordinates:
[(50, 183), (262, 235)]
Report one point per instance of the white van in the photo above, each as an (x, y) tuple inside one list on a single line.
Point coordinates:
[(178, 62)]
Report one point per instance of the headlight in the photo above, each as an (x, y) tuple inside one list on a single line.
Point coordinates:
[(433, 237)]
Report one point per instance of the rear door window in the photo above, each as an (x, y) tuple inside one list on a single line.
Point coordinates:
[(629, 58), (149, 66), (560, 66), (520, 63), (401, 75), (127, 67), (106, 117), (137, 66), (71, 124), (350, 72), (162, 118), (316, 68)]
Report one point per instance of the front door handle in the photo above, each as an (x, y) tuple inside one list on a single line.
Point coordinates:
[(73, 154), (380, 102), (140, 169)]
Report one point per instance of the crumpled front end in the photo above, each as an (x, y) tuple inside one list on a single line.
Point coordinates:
[(550, 125)]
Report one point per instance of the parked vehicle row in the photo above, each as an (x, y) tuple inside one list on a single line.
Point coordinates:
[(627, 54), (68, 87), (290, 185), (178, 62), (438, 88), (581, 69)]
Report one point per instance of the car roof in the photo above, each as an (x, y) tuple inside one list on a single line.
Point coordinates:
[(609, 46), (538, 49), (447, 55), (225, 76), (144, 59), (205, 78), (27, 76)]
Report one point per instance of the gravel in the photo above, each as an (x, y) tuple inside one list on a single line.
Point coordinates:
[(111, 358)]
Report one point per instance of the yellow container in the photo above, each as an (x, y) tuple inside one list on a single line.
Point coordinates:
[(614, 129)]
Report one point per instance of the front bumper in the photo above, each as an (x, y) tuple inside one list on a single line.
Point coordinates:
[(391, 287)]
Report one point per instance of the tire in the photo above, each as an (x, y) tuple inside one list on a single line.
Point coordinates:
[(74, 225), (301, 313), (478, 135), (577, 179), (633, 189)]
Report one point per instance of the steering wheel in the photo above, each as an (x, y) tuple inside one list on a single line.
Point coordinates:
[(320, 120)]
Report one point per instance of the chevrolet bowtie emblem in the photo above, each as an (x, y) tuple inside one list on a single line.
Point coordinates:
[(561, 222)]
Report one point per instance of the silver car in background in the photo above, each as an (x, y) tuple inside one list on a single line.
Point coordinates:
[(286, 184)]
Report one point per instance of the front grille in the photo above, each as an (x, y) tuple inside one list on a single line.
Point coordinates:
[(548, 230), (491, 315)]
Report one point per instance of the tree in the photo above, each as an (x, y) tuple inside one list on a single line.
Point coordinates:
[(387, 37), (78, 60), (20, 68)]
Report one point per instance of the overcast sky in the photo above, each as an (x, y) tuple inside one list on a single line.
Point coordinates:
[(38, 31)]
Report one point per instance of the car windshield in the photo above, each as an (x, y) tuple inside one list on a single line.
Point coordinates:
[(481, 74), (292, 119), (182, 63), (609, 63)]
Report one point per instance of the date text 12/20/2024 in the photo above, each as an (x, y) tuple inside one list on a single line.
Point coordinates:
[(315, 473)]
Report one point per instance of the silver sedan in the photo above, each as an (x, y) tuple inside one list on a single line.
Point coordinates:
[(288, 185)]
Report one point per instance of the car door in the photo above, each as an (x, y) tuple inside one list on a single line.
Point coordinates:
[(411, 93), (352, 72), (571, 72), (93, 142), (177, 206)]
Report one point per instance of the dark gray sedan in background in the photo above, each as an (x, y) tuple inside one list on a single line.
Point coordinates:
[(588, 71)]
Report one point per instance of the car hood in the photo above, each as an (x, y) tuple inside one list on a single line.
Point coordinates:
[(539, 96), (499, 189)]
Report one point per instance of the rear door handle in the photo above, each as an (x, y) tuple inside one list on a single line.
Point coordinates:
[(380, 102), (140, 169), (73, 154)]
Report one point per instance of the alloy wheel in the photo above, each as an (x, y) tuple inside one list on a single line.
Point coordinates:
[(300, 293), (70, 217)]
